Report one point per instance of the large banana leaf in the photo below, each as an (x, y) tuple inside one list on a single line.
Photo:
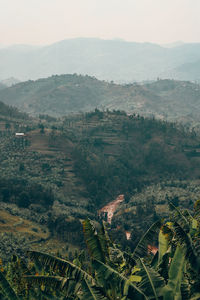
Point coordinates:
[(197, 210), (151, 283), (191, 251), (56, 283), (164, 265), (57, 264), (185, 286), (92, 292), (104, 230), (96, 243), (110, 279), (179, 218), (162, 245), (172, 290), (142, 247), (7, 289), (195, 296), (129, 259)]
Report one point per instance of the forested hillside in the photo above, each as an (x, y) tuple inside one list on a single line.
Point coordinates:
[(61, 95), (63, 170), (11, 112)]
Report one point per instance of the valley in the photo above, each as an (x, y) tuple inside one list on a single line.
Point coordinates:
[(62, 170)]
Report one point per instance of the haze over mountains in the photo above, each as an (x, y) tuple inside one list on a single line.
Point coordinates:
[(116, 60)]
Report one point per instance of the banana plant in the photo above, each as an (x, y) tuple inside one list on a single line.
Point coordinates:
[(8, 291), (70, 277), (115, 284), (114, 274)]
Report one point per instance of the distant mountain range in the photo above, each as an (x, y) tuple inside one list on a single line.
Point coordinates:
[(116, 60), (64, 94)]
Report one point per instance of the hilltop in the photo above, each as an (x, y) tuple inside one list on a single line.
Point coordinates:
[(116, 60), (9, 81), (64, 94)]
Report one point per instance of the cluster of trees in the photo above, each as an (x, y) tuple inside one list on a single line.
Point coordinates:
[(23, 193), (12, 112), (171, 271)]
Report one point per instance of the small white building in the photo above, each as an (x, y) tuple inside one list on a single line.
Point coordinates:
[(19, 134)]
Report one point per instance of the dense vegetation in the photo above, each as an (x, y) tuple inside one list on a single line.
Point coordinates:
[(120, 154), (60, 95), (171, 271), (11, 112), (11, 191), (63, 170)]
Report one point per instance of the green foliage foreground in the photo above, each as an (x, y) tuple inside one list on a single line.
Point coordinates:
[(109, 273)]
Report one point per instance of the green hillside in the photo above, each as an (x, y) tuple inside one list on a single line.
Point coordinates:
[(61, 95), (64, 170), (11, 112)]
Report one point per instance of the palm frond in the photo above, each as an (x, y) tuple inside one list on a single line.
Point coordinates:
[(197, 211), (56, 283), (111, 279), (142, 247), (92, 292), (185, 291), (7, 289), (57, 264), (53, 282), (96, 243), (178, 217), (164, 265), (151, 282), (191, 252)]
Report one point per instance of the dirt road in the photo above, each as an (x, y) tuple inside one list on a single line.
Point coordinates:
[(111, 207)]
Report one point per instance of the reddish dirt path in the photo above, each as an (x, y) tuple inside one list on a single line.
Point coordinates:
[(128, 235), (152, 249), (111, 207)]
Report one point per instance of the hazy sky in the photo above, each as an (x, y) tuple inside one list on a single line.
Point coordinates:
[(48, 21)]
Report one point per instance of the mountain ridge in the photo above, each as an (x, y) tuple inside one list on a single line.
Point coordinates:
[(100, 58), (64, 94)]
